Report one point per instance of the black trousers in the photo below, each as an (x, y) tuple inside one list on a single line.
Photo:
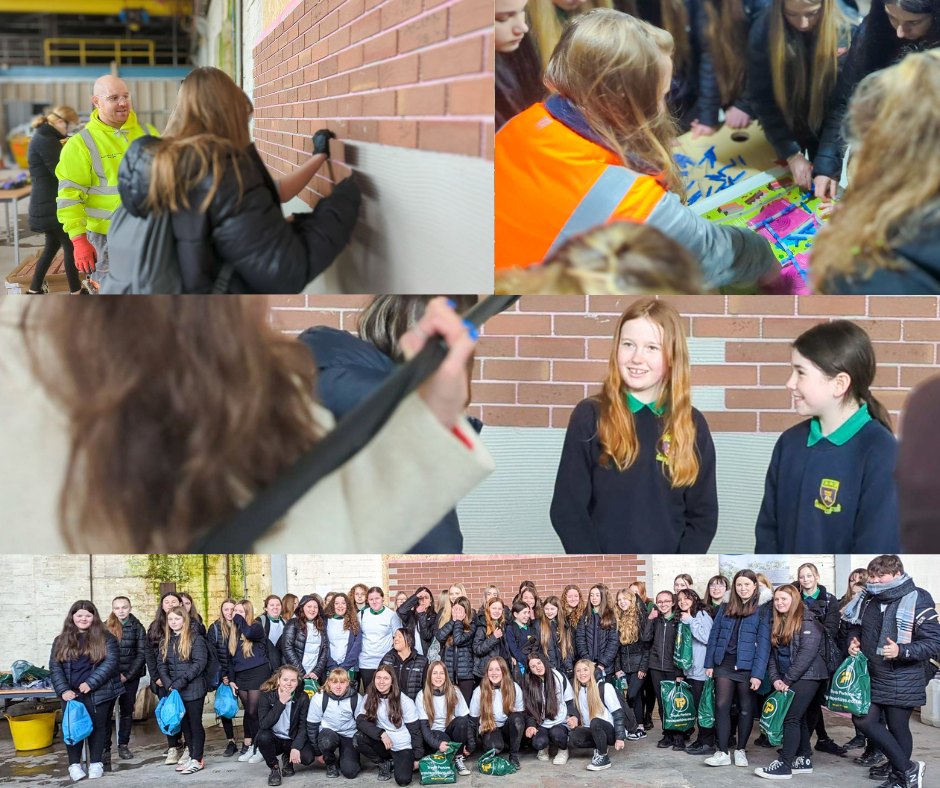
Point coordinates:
[(649, 697), (192, 730), (126, 710), (329, 742), (508, 735), (56, 239), (403, 761), (796, 728), (658, 677), (599, 735), (895, 740), (458, 731), (706, 736), (229, 728), (814, 714), (557, 735), (466, 687), (99, 731), (635, 695), (271, 746), (365, 673)]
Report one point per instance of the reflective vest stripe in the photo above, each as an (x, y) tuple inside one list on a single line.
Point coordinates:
[(601, 200), (98, 213), (66, 203), (96, 164), (64, 183), (104, 190)]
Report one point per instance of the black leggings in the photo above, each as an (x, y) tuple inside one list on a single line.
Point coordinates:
[(796, 728), (99, 730), (466, 687), (367, 675), (250, 699), (726, 691), (126, 705), (56, 239), (192, 729), (895, 740), (635, 695), (599, 735), (403, 761), (509, 733), (814, 715), (328, 741), (457, 731), (229, 728), (649, 698), (706, 736), (660, 676), (557, 734), (270, 746)]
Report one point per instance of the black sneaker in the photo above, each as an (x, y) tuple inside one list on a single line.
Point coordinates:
[(828, 745), (274, 778), (855, 743), (106, 754), (778, 770), (599, 762), (245, 747), (385, 771), (679, 745), (802, 764), (232, 748), (700, 749), (880, 772), (914, 777), (331, 770), (647, 721), (287, 768), (514, 760), (895, 780), (665, 742), (761, 741), (638, 734), (123, 752), (871, 757)]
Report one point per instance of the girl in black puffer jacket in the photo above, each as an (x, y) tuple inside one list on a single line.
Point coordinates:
[(489, 640), (217, 637), (308, 623), (796, 664), (557, 638), (85, 667), (132, 637), (659, 632), (633, 651), (181, 664), (597, 636), (456, 639)]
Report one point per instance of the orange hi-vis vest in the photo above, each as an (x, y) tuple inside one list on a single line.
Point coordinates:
[(552, 184)]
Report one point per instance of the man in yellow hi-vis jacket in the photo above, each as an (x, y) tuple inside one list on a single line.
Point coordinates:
[(88, 172)]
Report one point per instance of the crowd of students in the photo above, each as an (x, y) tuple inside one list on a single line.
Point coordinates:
[(591, 95), (330, 680)]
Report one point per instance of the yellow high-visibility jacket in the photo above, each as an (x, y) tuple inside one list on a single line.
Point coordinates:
[(88, 174)]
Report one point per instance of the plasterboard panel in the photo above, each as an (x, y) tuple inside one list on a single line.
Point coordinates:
[(708, 398)]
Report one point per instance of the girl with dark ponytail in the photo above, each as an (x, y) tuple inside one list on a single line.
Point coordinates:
[(830, 487)]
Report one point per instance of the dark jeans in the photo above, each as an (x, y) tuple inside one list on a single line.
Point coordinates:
[(56, 239), (99, 731), (796, 728), (510, 734), (895, 740), (126, 705), (658, 677), (271, 746), (706, 736), (726, 691), (403, 761), (458, 731), (649, 696), (814, 714), (635, 695), (329, 741), (557, 734), (192, 730), (599, 735)]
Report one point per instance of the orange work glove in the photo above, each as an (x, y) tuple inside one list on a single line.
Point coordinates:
[(85, 257)]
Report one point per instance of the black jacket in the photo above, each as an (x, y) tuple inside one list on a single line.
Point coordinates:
[(238, 662), (185, 676), (458, 657), (660, 634), (270, 709), (152, 656), (806, 656), (632, 656), (410, 672), (828, 608), (563, 664), (219, 646), (267, 253), (105, 679), (293, 640), (485, 648), (421, 625), (133, 647), (45, 147), (596, 643)]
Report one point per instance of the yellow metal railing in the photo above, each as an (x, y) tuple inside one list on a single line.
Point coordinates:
[(82, 48)]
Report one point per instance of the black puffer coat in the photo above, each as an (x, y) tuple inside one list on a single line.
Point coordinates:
[(133, 648), (485, 648), (660, 635), (152, 655), (105, 679), (218, 644), (45, 147), (563, 664), (596, 643), (421, 625), (409, 672), (632, 656), (185, 676), (267, 253), (806, 653), (292, 643), (457, 657), (827, 606), (901, 681)]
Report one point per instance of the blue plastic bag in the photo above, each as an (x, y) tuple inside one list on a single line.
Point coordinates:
[(76, 722), (226, 704), (170, 713)]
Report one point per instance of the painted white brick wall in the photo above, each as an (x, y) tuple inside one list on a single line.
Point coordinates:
[(307, 573)]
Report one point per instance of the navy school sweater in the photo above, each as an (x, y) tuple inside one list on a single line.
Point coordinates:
[(603, 510), (836, 496)]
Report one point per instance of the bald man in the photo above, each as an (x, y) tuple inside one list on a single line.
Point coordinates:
[(88, 173)]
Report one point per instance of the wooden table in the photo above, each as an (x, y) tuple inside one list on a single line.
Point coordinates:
[(6, 197)]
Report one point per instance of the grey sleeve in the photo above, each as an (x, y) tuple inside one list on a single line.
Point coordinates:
[(726, 254)]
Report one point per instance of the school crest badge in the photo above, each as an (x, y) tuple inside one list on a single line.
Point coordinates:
[(828, 496), (662, 450)]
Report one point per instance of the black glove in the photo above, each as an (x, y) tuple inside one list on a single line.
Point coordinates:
[(321, 142)]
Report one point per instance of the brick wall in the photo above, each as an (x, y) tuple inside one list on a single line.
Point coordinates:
[(549, 573), (537, 361), (409, 73)]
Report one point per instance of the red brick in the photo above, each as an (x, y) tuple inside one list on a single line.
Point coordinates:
[(551, 303), (496, 346), (499, 415), (903, 306), (402, 71), (726, 327), (349, 107), (379, 103), (904, 352), (329, 67), (775, 374), (550, 394), (338, 86), (470, 15), (322, 186), (585, 325), (779, 422), (423, 32), (395, 12), (339, 40), (882, 329), (757, 351), (366, 26), (561, 417), (350, 10), (450, 137), (403, 133), (424, 100), (888, 376), (579, 371), (300, 320), (913, 376), (514, 323), (471, 96), (922, 329), (500, 369), (364, 79), (755, 399), (788, 327), (840, 306), (504, 393), (723, 375), (460, 57), (551, 347), (723, 421), (761, 305), (350, 58), (329, 24)]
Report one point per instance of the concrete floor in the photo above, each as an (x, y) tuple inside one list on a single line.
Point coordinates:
[(29, 241), (639, 765)]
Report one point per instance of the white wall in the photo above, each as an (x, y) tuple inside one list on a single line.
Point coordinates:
[(924, 569), (312, 573)]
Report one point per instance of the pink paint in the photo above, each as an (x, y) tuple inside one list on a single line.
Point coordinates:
[(783, 225)]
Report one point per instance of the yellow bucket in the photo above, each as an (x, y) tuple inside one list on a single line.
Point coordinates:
[(32, 731), (19, 146)]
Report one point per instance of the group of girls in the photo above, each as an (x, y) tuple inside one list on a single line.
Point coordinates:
[(638, 470)]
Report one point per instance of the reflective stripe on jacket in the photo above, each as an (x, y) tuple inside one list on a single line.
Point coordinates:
[(88, 174)]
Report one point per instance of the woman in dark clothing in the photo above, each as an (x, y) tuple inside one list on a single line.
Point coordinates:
[(796, 664), (659, 632), (217, 637), (132, 637), (349, 369), (632, 653), (282, 724), (489, 640), (45, 147), (156, 633), (518, 67), (557, 638), (248, 669), (597, 638), (410, 667), (522, 638), (227, 223), (85, 667), (305, 640), (181, 664), (418, 615), (456, 639)]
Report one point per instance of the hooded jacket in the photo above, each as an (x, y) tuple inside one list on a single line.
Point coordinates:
[(45, 148), (805, 653), (133, 648), (185, 676), (753, 636), (458, 656), (104, 680)]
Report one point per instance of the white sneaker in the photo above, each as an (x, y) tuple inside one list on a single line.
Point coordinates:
[(194, 766), (184, 755), (256, 757), (246, 755), (95, 770), (183, 764), (542, 755), (461, 766), (740, 759), (719, 759), (76, 772), (172, 755), (561, 758)]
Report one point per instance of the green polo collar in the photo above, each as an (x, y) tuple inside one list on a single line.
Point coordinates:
[(814, 595), (377, 612), (844, 434), (636, 406)]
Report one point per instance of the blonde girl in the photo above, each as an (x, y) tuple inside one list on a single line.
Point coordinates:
[(549, 17), (218, 636), (497, 709), (600, 715), (444, 715), (331, 724), (632, 652), (637, 468)]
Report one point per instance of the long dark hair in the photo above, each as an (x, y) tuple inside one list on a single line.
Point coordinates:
[(605, 610), (193, 613), (317, 621), (374, 697), (736, 607), (518, 81), (539, 693), (350, 619), (697, 605), (73, 642), (880, 47), (157, 627), (843, 346)]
